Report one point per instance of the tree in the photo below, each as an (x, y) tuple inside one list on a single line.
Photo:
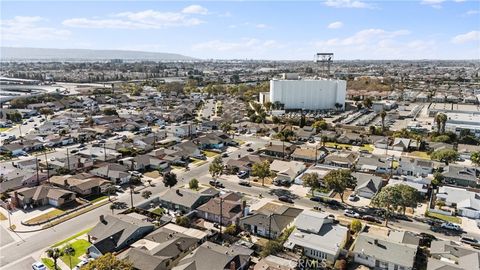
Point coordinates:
[(389, 198), (216, 167), (271, 248), (226, 126), (441, 120), (475, 158), (170, 179), (268, 105), (383, 114), (355, 226), (69, 251), (437, 179), (182, 221), (193, 184), (54, 254), (149, 181), (112, 207), (311, 180), (409, 197), (146, 194), (46, 111), (109, 190), (110, 111), (339, 181), (231, 229), (108, 262), (320, 125), (445, 155), (261, 170)]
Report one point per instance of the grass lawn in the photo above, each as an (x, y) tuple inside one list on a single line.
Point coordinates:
[(43, 217), (4, 129), (48, 263), (339, 145), (451, 219), (196, 160), (2, 217), (210, 153), (395, 164), (99, 199), (158, 211), (80, 247), (420, 154), (367, 147), (72, 237)]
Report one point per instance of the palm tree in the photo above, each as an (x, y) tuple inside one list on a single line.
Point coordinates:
[(383, 114), (54, 254), (69, 251), (112, 207), (110, 190), (441, 120)]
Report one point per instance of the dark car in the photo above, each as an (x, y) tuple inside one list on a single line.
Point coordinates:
[(370, 219), (216, 183), (316, 199), (224, 155), (470, 240), (426, 239), (285, 199), (250, 150)]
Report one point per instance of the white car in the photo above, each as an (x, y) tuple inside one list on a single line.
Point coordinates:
[(80, 264), (351, 213), (39, 266), (352, 197), (451, 226)]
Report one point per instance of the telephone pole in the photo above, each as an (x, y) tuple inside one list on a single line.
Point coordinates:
[(221, 216), (68, 160), (36, 167)]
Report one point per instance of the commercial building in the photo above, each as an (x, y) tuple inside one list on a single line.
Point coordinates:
[(308, 94), (463, 121)]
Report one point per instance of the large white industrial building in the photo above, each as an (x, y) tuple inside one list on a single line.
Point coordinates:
[(308, 94)]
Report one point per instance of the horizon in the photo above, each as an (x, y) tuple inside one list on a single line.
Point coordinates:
[(283, 31)]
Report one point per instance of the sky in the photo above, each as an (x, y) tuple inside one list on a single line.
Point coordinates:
[(273, 30)]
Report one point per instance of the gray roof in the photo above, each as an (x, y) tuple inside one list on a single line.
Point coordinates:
[(281, 216), (185, 197), (459, 172), (367, 182), (385, 249)]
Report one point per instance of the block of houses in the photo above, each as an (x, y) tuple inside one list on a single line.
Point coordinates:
[(317, 237), (41, 195), (415, 166), (466, 202), (450, 255), (114, 172), (341, 159), (213, 256), (185, 200), (287, 171), (229, 206), (460, 176), (384, 252), (115, 233), (83, 184), (270, 220), (368, 185), (182, 130)]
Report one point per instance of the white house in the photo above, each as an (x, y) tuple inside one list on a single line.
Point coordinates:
[(467, 202)]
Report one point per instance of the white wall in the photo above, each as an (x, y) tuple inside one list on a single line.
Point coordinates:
[(308, 94)]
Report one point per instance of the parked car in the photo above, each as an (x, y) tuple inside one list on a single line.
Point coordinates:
[(316, 199), (242, 174), (451, 226), (285, 199), (353, 197), (81, 264), (244, 183), (38, 266), (370, 218), (318, 208), (470, 240), (216, 183), (250, 150), (351, 213)]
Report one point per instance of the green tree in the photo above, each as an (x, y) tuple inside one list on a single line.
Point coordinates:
[(108, 262), (193, 184), (320, 125), (271, 248), (112, 207), (437, 179), (475, 158), (389, 198), (182, 221), (231, 229), (383, 114), (339, 181), (110, 111), (146, 194), (268, 105), (355, 226), (170, 179), (311, 180), (410, 197), (69, 251), (445, 155), (46, 111), (226, 126), (441, 120), (261, 170), (216, 167), (54, 254), (367, 103), (109, 190)]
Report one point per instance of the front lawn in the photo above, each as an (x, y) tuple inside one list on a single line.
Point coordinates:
[(420, 154), (210, 153), (338, 145), (451, 219), (96, 198), (72, 237), (48, 263), (46, 216), (367, 147), (4, 129), (80, 246)]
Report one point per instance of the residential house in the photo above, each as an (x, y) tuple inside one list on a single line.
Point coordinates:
[(418, 185), (287, 171), (83, 184), (270, 220), (187, 149), (114, 233), (116, 173), (283, 150), (210, 141), (460, 176), (183, 130), (73, 163), (320, 169), (382, 252), (374, 164), (272, 262), (317, 236), (228, 206), (244, 163), (213, 256), (415, 166), (401, 144), (341, 159), (310, 155), (15, 149), (145, 162), (368, 185), (452, 256), (305, 133), (381, 143), (41, 195), (185, 200), (466, 202)]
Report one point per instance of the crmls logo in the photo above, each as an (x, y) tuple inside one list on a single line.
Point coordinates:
[(305, 264)]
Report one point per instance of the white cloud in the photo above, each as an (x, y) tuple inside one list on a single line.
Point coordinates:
[(472, 12), (195, 9), (363, 37), (335, 25), (261, 26), (347, 4), (27, 28), (467, 37), (147, 19), (459, 1)]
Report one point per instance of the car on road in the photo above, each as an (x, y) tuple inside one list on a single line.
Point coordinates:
[(216, 183), (242, 174), (316, 199), (470, 240), (248, 144), (285, 199), (351, 213), (451, 226), (244, 183), (250, 150), (38, 266), (353, 197), (224, 155), (24, 123), (370, 218)]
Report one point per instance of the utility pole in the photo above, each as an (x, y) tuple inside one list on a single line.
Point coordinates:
[(104, 152), (68, 160), (46, 162), (36, 167), (221, 216), (131, 196)]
